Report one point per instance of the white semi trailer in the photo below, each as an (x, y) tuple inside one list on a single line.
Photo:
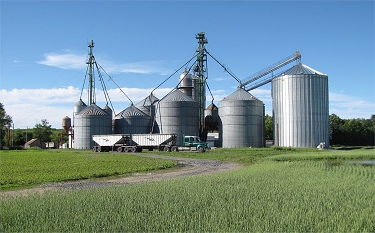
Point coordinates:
[(137, 142)]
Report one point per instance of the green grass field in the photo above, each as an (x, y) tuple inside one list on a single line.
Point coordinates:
[(25, 168), (288, 190)]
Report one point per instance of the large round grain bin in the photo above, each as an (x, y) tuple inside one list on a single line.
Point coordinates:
[(241, 120), (90, 121), (132, 121), (177, 113), (300, 108)]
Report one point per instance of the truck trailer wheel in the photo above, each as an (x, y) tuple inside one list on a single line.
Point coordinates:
[(174, 148), (94, 148), (167, 149), (119, 149)]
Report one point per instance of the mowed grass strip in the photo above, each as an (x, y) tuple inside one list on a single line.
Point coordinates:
[(31, 167), (326, 155), (269, 196), (241, 155)]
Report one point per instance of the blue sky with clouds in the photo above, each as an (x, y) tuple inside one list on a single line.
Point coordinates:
[(141, 43)]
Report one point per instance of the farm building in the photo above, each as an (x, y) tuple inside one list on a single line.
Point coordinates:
[(34, 143)]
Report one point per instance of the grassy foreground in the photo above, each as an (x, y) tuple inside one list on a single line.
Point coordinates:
[(26, 168), (281, 190), (269, 196)]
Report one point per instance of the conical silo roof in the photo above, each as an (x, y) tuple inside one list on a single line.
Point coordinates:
[(301, 69), (240, 94), (93, 109), (80, 103), (177, 96), (129, 112), (212, 106), (148, 101)]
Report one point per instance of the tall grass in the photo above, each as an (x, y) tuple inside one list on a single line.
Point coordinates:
[(268, 196), (32, 167)]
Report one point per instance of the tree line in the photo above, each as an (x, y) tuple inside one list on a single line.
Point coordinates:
[(18, 137), (345, 132)]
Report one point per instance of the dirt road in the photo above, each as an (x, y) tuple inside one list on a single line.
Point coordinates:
[(186, 167)]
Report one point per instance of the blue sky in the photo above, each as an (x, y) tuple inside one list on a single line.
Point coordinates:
[(141, 43)]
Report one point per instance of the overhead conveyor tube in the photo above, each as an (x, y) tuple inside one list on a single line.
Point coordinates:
[(271, 68)]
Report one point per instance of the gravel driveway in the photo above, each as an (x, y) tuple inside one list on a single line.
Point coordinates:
[(186, 167)]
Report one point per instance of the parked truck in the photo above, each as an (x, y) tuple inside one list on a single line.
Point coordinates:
[(138, 142)]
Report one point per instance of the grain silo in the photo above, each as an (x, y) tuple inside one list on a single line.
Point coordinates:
[(79, 106), (108, 110), (177, 113), (90, 121), (300, 108), (132, 121), (147, 105), (241, 120), (211, 117), (186, 83)]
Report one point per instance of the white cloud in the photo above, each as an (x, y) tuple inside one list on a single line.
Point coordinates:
[(28, 106), (78, 62), (348, 107), (65, 61)]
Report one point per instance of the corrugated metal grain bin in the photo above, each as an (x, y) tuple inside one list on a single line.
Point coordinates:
[(177, 114), (300, 108), (147, 105), (132, 121), (91, 120), (241, 120)]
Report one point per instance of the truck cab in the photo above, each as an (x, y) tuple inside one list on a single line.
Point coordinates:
[(195, 143)]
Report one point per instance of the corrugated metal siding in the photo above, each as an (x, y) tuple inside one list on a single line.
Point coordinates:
[(132, 121), (91, 120), (241, 120), (177, 114), (300, 109), (147, 105)]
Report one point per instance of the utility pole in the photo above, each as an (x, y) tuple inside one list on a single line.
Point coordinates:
[(13, 135)]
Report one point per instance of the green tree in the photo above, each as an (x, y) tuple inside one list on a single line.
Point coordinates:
[(269, 127), (43, 131), (5, 120), (335, 130), (352, 132)]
